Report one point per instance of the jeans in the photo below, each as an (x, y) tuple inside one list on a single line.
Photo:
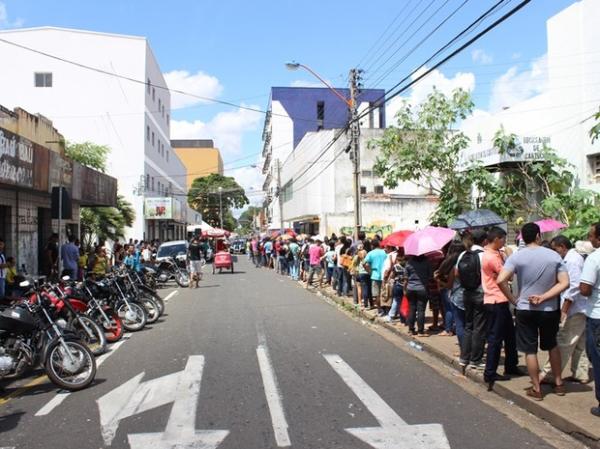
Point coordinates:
[(417, 300), (294, 268), (448, 310), (329, 274), (2, 287), (314, 269), (500, 330), (593, 350), (336, 277), (365, 282), (459, 322), (282, 265), (471, 351), (397, 293), (343, 285)]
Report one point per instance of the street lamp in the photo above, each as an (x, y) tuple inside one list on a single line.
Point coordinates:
[(354, 132), (221, 206)]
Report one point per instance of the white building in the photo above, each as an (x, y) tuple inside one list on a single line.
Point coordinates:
[(561, 116), (131, 117), (317, 193)]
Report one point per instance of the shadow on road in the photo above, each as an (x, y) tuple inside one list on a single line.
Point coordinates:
[(9, 422)]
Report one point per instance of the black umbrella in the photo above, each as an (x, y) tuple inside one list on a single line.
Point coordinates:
[(477, 218)]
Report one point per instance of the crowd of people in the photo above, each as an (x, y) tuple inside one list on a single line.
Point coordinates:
[(534, 296)]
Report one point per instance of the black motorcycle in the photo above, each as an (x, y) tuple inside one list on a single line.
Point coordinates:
[(166, 270), (29, 337)]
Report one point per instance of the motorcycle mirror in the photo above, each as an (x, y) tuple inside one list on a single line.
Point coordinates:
[(24, 284), (66, 278)]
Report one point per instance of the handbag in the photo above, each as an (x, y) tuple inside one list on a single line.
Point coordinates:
[(404, 307)]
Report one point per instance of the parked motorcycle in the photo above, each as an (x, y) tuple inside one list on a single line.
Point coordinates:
[(168, 270), (30, 337)]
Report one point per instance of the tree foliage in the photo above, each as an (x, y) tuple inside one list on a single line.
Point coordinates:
[(204, 197), (595, 131), (100, 223), (246, 220)]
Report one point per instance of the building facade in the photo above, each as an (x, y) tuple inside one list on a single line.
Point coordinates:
[(562, 115), (32, 163), (317, 192), (119, 99), (199, 156), (292, 113)]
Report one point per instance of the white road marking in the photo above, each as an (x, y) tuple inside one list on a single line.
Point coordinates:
[(170, 295), (63, 394), (274, 400), (393, 432), (181, 388)]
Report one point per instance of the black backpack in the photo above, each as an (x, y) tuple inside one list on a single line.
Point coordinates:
[(469, 270)]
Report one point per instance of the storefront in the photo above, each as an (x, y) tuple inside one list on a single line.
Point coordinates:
[(165, 219)]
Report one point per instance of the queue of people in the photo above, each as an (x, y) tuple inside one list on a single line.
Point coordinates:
[(539, 296)]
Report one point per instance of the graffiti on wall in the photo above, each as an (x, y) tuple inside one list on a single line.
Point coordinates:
[(374, 228)]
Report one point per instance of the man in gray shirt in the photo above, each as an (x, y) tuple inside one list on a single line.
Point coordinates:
[(542, 276)]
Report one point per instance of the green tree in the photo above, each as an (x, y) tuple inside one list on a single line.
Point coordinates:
[(246, 220), (595, 131), (424, 147), (100, 222), (204, 196)]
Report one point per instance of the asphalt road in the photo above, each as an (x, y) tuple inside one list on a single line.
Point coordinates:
[(252, 361)]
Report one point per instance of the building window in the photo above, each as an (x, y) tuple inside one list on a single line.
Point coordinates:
[(594, 162), (148, 133), (159, 105), (367, 173), (43, 79), (379, 189), (153, 183), (363, 190), (287, 191), (320, 114), (153, 94), (168, 119), (163, 110), (152, 138), (148, 86), (158, 141), (147, 182), (167, 155)]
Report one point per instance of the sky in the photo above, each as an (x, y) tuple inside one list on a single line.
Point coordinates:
[(235, 51)]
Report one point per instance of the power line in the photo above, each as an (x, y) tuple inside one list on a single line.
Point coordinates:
[(147, 83)]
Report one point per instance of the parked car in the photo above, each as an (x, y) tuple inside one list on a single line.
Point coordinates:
[(238, 246), (176, 248)]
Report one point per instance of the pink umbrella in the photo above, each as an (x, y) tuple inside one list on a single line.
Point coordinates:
[(550, 225), (427, 240)]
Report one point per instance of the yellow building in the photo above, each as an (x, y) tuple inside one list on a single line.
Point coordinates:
[(199, 156)]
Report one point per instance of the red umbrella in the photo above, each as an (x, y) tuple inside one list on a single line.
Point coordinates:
[(396, 238)]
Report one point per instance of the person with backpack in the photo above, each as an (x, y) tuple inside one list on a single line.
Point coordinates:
[(501, 330), (468, 271)]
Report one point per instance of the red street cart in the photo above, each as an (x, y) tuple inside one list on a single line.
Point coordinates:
[(222, 258)]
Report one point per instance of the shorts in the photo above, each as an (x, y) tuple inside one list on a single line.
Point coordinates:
[(315, 269), (376, 287), (195, 266), (534, 325)]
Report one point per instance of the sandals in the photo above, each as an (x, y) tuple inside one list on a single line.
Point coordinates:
[(560, 390), (535, 395)]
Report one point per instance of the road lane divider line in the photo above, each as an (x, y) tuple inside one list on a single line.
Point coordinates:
[(393, 432), (273, 394), (170, 295), (63, 394), (19, 391)]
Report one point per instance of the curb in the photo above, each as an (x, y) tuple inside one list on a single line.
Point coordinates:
[(532, 407)]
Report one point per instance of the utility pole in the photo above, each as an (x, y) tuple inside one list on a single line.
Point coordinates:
[(355, 147), (221, 206), (279, 196)]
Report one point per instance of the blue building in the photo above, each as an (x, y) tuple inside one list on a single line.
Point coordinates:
[(295, 111)]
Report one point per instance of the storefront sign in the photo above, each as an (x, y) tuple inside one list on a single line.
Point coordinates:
[(16, 160), (528, 148), (158, 208)]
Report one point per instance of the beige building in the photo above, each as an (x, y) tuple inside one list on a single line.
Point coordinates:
[(199, 156)]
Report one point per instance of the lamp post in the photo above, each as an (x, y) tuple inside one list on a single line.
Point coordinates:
[(354, 132), (221, 206)]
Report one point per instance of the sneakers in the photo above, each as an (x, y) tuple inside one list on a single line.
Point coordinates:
[(387, 319), (595, 411), (479, 365)]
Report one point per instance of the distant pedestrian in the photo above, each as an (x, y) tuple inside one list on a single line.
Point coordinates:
[(69, 254), (418, 276), (315, 254), (3, 268), (542, 276), (374, 263)]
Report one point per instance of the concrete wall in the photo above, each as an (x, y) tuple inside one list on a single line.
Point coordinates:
[(200, 162)]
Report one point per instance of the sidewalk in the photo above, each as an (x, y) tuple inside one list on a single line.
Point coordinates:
[(570, 413)]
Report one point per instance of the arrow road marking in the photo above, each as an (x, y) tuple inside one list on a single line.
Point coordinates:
[(393, 432), (182, 388), (64, 394)]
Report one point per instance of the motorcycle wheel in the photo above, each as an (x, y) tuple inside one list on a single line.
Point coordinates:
[(67, 374), (183, 280), (151, 307), (95, 342), (137, 323), (159, 302), (113, 330)]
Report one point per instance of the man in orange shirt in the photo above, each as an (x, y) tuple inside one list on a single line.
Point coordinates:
[(500, 322)]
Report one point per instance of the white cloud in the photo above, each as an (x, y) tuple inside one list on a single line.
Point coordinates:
[(198, 83), (480, 56), (514, 86), (5, 22), (305, 83), (424, 87), (225, 128), (251, 179)]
